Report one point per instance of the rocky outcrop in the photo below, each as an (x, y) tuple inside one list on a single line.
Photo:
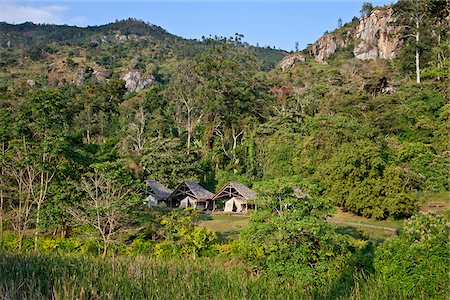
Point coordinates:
[(136, 81), (82, 75), (325, 46), (374, 37), (290, 60), (79, 76), (101, 74)]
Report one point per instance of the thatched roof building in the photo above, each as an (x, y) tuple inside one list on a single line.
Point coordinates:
[(192, 190), (156, 192), (237, 196), (237, 190)]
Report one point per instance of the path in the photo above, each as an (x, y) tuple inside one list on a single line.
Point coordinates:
[(393, 230)]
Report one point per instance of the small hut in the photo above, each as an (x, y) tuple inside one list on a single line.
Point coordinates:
[(156, 192), (237, 197), (190, 193)]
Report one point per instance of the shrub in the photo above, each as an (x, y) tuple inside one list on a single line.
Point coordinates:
[(297, 243), (360, 179), (182, 236), (418, 259)]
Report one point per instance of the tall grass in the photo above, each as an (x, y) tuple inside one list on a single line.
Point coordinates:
[(127, 277), (83, 277)]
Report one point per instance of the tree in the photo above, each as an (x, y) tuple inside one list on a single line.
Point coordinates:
[(167, 161), (360, 180), (366, 9), (29, 168), (339, 24), (186, 92), (135, 138), (182, 235), (296, 242), (109, 194), (234, 91), (411, 16)]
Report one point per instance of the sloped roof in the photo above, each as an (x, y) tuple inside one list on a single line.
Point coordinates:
[(235, 189), (157, 189), (193, 189)]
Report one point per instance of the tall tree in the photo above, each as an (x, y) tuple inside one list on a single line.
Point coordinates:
[(109, 194), (28, 167), (186, 93), (413, 16)]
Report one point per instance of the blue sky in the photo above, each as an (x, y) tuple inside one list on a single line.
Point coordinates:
[(268, 23)]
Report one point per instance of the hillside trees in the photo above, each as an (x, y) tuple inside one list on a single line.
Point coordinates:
[(421, 20), (234, 91), (360, 179), (29, 171), (188, 95), (110, 193)]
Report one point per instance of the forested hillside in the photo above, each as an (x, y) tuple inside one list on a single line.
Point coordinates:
[(98, 110)]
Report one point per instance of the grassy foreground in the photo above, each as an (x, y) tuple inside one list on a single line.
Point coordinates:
[(81, 277)]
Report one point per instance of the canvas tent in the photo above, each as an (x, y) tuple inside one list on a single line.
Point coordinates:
[(237, 196), (235, 205), (187, 202), (156, 192), (196, 192)]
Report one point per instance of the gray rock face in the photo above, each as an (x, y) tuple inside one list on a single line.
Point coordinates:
[(374, 37), (325, 46), (121, 38), (79, 76), (136, 81), (101, 75), (377, 37), (289, 61)]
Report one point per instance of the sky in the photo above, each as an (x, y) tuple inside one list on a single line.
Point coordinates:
[(278, 24)]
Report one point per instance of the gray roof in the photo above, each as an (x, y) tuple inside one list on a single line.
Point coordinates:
[(157, 189), (199, 191), (196, 191), (241, 191)]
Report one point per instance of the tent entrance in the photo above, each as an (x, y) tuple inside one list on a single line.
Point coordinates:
[(235, 205)]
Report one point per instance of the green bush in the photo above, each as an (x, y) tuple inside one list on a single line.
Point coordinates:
[(297, 243), (361, 180), (418, 258), (182, 237)]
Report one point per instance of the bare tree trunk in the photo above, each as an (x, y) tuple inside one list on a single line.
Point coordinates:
[(189, 128), (36, 230), (1, 218), (417, 53), (88, 136), (20, 239), (105, 247), (1, 199), (235, 138)]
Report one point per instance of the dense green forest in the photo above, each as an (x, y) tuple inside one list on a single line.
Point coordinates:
[(369, 137)]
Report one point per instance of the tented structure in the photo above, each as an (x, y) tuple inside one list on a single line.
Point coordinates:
[(192, 190), (187, 202), (156, 192), (235, 205), (190, 202), (237, 196)]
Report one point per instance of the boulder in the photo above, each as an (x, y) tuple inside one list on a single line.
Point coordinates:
[(291, 60), (136, 81)]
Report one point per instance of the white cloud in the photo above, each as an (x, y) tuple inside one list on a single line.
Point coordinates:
[(15, 13)]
